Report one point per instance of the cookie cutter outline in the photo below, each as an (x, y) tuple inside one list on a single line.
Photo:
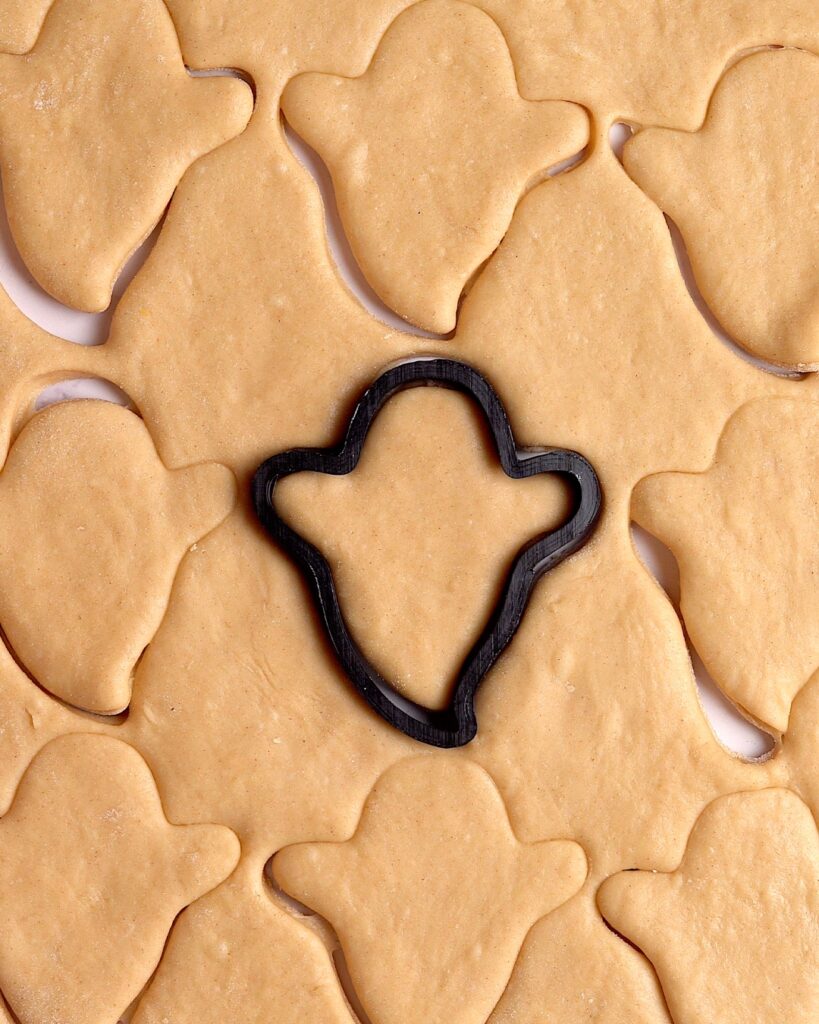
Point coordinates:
[(456, 724)]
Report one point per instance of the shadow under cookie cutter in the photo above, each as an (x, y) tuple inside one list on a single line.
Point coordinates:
[(456, 724)]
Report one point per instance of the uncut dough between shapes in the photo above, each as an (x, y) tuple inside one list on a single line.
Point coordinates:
[(92, 531), (734, 931), (432, 896), (744, 192), (78, 116), (93, 876), (430, 152), (421, 535)]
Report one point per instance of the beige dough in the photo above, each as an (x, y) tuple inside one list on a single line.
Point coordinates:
[(236, 372), (29, 718), (92, 531), (800, 745), (241, 709), (590, 725), (734, 931), (649, 61), (593, 705), (275, 42), (743, 191), (237, 956), (433, 895), (30, 360), (430, 152), (574, 970), (422, 535), (20, 23), (93, 876), (238, 350), (742, 533), (582, 322), (77, 117)]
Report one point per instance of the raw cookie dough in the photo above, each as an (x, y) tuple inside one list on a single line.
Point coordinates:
[(20, 23), (235, 351), (30, 360), (430, 152), (92, 531), (743, 535), (582, 322), (800, 746), (734, 931), (236, 956), (93, 876), (29, 718), (591, 724), (77, 117), (433, 895), (574, 970), (743, 191), (649, 61), (421, 535), (241, 709), (275, 42), (226, 736)]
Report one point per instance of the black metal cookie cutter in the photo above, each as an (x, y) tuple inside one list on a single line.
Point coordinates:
[(456, 724)]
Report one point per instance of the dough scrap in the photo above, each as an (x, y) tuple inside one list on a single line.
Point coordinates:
[(92, 530), (421, 535), (87, 823), (743, 191), (742, 534), (430, 152), (433, 895), (104, 85), (237, 956), (734, 931)]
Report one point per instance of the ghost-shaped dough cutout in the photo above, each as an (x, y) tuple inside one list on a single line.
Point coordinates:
[(97, 125), (92, 531), (93, 877), (434, 894), (430, 152), (743, 191), (734, 932), (744, 535), (421, 535)]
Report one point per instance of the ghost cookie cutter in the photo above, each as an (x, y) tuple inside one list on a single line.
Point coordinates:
[(456, 724)]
